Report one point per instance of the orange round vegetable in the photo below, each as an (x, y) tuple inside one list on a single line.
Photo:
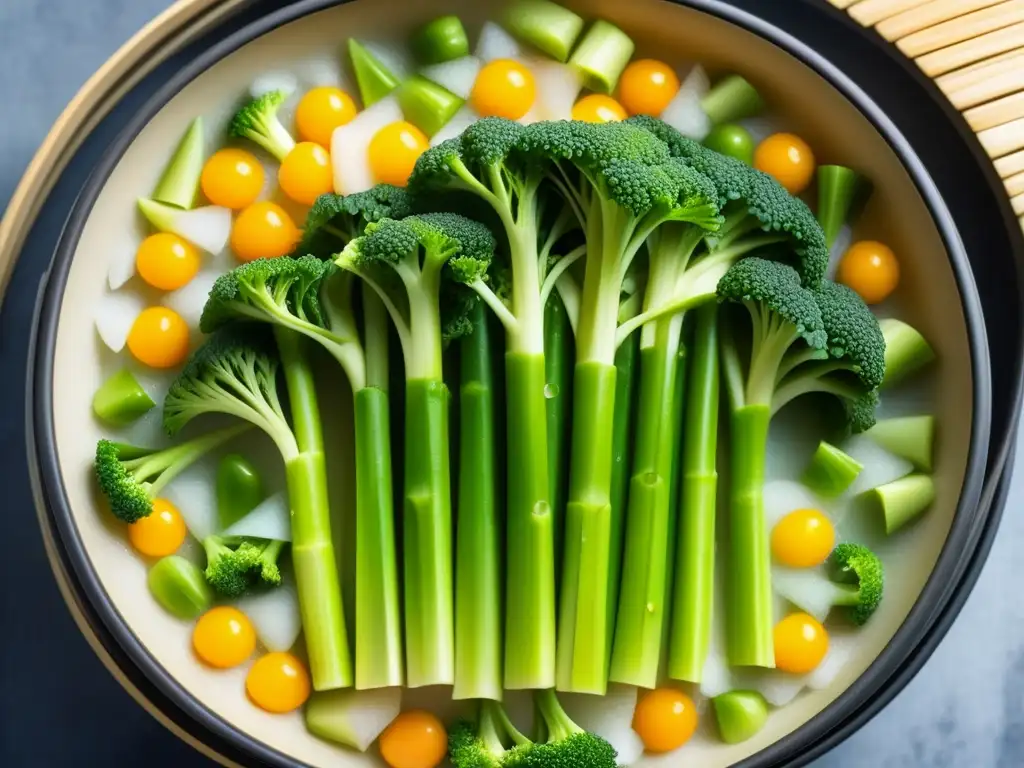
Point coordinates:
[(224, 637), (263, 231), (788, 158), (322, 110), (166, 261), (394, 151), (801, 644), (161, 532), (598, 108), (665, 719), (803, 538), (870, 268), (278, 682), (159, 338), (414, 739), (232, 178), (503, 88), (647, 86), (306, 173)]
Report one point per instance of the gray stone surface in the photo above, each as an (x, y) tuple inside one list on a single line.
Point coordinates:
[(965, 710)]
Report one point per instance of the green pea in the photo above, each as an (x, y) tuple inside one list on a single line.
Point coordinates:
[(179, 586), (740, 715), (732, 140), (239, 489)]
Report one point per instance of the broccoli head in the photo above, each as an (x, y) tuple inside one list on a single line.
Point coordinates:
[(859, 572), (236, 566), (567, 745), (483, 744), (131, 477), (258, 122), (336, 220)]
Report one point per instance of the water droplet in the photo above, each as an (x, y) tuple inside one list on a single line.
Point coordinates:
[(651, 478), (650, 607), (550, 391), (541, 509)]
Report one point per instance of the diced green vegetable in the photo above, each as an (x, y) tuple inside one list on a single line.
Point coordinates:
[(740, 715), (901, 501), (909, 437), (120, 400), (830, 471), (352, 717), (732, 98), (732, 140), (239, 489), (547, 26), (602, 55), (842, 193), (426, 104), (178, 585), (440, 40), (906, 350), (179, 183), (375, 80)]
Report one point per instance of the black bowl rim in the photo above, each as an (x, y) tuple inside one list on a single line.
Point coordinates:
[(794, 746)]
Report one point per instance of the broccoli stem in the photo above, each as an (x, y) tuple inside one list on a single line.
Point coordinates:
[(558, 392), (375, 351), (749, 618), (622, 440), (478, 554), (429, 615), (379, 662), (313, 557), (678, 414), (530, 585), (642, 602), (583, 617), (695, 557)]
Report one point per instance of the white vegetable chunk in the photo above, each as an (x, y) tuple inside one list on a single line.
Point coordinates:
[(350, 144), (495, 43), (462, 119), (274, 615), (558, 85), (842, 243), (394, 56), (880, 466), (784, 496), (353, 718), (684, 112), (115, 315), (274, 81), (809, 589), (122, 266), (208, 228), (610, 717), (194, 493), (458, 75), (189, 300), (270, 520)]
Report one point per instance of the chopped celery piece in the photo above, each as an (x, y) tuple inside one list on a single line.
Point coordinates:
[(180, 587), (179, 183), (909, 437), (906, 350), (740, 715), (440, 40), (831, 471), (602, 55), (732, 140), (120, 400), (842, 193), (545, 25), (903, 500), (351, 717), (375, 80), (239, 489), (732, 98), (426, 104)]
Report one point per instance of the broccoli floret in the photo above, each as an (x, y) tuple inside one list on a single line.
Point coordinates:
[(132, 477), (855, 364), (860, 573), (335, 220), (258, 122), (567, 745), (483, 744), (236, 566)]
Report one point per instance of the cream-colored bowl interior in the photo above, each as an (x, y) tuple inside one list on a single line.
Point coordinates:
[(928, 297)]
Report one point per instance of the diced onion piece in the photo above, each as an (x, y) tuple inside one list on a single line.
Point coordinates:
[(778, 688), (784, 496), (350, 145), (189, 300), (840, 649), (762, 126), (458, 75), (809, 589), (684, 112), (318, 72), (209, 227), (610, 717), (274, 615), (122, 267), (115, 315), (880, 466), (353, 718), (464, 118), (558, 85), (274, 81), (533, 116), (194, 493), (396, 58), (270, 520), (842, 243), (495, 43)]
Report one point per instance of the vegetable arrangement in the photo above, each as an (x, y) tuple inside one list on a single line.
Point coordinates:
[(546, 268)]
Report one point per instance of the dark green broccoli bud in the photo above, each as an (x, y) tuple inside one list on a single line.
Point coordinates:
[(483, 744), (258, 122), (131, 477), (335, 220), (859, 571), (567, 745), (237, 566)]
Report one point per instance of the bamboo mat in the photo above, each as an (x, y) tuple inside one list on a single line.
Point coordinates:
[(974, 50)]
